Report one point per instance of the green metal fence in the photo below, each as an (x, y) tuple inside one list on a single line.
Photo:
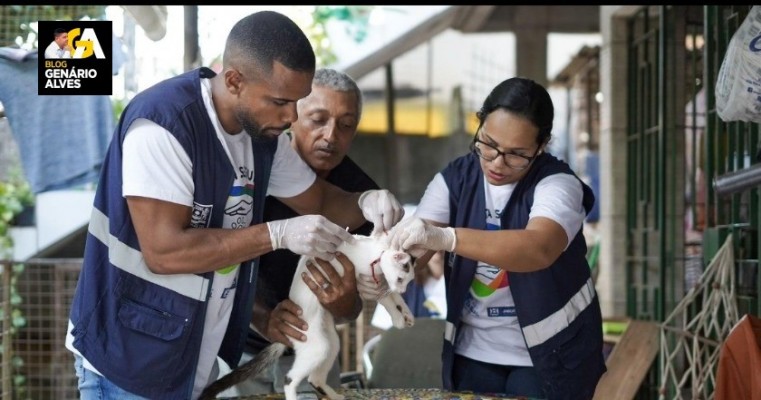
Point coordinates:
[(731, 147), (35, 298), (18, 22), (655, 160), (677, 147), (654, 249)]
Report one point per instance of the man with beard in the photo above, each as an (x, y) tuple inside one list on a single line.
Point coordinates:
[(173, 243), (322, 136)]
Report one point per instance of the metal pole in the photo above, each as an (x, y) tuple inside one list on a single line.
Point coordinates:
[(130, 68), (191, 59), (6, 271), (391, 137), (738, 181)]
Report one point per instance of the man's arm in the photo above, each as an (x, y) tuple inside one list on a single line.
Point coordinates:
[(324, 198), (348, 209), (260, 315), (171, 246)]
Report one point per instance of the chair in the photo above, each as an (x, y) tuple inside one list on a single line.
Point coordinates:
[(738, 373), (408, 358)]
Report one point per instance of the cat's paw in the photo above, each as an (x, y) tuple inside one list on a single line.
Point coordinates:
[(409, 318), (409, 321), (403, 319), (398, 321)]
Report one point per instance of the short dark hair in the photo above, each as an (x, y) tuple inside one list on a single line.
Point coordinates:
[(526, 98), (265, 37), (59, 32)]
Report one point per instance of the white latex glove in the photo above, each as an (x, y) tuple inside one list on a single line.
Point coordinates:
[(381, 208), (369, 289), (414, 233), (310, 235)]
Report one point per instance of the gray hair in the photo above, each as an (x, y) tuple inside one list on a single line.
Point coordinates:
[(338, 81)]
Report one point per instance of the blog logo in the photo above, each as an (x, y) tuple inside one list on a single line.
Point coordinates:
[(75, 58), (85, 44)]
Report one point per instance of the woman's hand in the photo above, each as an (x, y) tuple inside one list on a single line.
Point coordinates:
[(413, 233)]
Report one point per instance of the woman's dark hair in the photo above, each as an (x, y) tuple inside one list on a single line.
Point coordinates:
[(265, 37), (523, 97)]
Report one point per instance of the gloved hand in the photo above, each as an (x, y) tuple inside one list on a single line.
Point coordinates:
[(310, 235), (414, 233), (381, 208), (369, 289)]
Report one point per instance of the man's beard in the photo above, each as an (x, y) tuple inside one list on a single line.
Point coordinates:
[(252, 128)]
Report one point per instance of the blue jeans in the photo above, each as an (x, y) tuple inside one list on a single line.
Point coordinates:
[(480, 377), (96, 387)]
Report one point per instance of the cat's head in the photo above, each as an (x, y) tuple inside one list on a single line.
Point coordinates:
[(398, 269)]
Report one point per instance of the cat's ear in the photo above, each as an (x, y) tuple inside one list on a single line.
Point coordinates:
[(402, 258)]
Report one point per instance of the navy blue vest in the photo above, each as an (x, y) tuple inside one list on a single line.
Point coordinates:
[(563, 338), (141, 330)]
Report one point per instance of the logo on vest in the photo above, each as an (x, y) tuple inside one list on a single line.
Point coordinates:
[(753, 45), (201, 216)]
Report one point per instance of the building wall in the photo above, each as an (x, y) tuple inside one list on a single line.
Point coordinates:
[(425, 157), (611, 281)]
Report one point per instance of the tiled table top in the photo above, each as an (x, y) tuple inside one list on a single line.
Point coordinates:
[(393, 394)]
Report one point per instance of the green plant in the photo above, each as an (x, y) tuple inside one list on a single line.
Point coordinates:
[(118, 106), (356, 17), (15, 194), (17, 21)]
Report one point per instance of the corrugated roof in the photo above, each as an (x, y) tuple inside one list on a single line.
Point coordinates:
[(473, 19)]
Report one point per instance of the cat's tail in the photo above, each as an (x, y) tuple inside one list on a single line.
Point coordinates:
[(262, 361)]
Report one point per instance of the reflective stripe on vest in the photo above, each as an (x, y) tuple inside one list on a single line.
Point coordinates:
[(543, 330), (130, 260), (449, 332)]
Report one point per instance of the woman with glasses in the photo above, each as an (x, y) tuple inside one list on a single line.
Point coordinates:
[(524, 318)]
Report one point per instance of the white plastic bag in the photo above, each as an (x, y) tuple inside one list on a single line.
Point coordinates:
[(738, 87)]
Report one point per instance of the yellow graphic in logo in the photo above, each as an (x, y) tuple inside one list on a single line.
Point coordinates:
[(87, 45)]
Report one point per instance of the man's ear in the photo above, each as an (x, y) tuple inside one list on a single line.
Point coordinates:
[(233, 80)]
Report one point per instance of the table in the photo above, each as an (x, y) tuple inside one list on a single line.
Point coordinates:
[(393, 394)]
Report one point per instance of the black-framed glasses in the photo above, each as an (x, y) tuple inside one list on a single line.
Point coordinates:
[(490, 153)]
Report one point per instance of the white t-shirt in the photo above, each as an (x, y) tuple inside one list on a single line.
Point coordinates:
[(53, 51), (155, 165), (490, 330)]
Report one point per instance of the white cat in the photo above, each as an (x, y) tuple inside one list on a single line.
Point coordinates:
[(370, 255)]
